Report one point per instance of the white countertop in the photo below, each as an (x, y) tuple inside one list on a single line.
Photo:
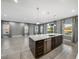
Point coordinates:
[(43, 36)]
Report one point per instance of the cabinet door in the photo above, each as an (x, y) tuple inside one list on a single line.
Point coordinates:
[(53, 43), (61, 40), (39, 48), (58, 40), (40, 43)]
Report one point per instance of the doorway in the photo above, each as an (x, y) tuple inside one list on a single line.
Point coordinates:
[(67, 29)]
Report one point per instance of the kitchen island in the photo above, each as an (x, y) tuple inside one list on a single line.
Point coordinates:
[(44, 43)]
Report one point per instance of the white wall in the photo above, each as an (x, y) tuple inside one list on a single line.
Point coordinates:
[(16, 28)]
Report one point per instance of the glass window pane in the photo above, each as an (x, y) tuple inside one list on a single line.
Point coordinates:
[(41, 29), (36, 29), (50, 28), (68, 27)]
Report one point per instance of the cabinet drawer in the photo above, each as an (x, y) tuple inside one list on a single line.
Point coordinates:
[(39, 52), (39, 43), (39, 48)]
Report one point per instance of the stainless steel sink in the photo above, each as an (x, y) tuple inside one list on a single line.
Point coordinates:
[(51, 35)]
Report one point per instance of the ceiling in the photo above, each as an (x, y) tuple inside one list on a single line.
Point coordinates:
[(37, 11)]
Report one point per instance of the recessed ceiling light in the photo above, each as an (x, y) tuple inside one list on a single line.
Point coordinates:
[(73, 10), (37, 23), (16, 1)]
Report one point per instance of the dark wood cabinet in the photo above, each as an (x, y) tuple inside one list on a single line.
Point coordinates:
[(56, 41), (53, 43), (39, 48), (36, 47), (43, 46)]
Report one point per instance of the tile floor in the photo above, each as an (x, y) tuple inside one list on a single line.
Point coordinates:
[(18, 48)]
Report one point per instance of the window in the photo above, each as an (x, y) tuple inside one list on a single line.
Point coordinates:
[(68, 27), (36, 29), (50, 28), (41, 29)]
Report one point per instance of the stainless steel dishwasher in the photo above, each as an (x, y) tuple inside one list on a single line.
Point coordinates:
[(47, 45)]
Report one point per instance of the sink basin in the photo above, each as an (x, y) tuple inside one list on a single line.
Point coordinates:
[(51, 35)]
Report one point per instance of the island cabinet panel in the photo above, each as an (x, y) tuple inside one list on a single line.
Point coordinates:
[(45, 45), (39, 48), (36, 47), (56, 41), (32, 46)]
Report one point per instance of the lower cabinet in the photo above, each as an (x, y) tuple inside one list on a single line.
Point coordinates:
[(39, 48), (42, 47), (56, 41), (53, 43)]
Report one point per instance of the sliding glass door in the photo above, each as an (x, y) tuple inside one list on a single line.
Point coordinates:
[(67, 29)]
